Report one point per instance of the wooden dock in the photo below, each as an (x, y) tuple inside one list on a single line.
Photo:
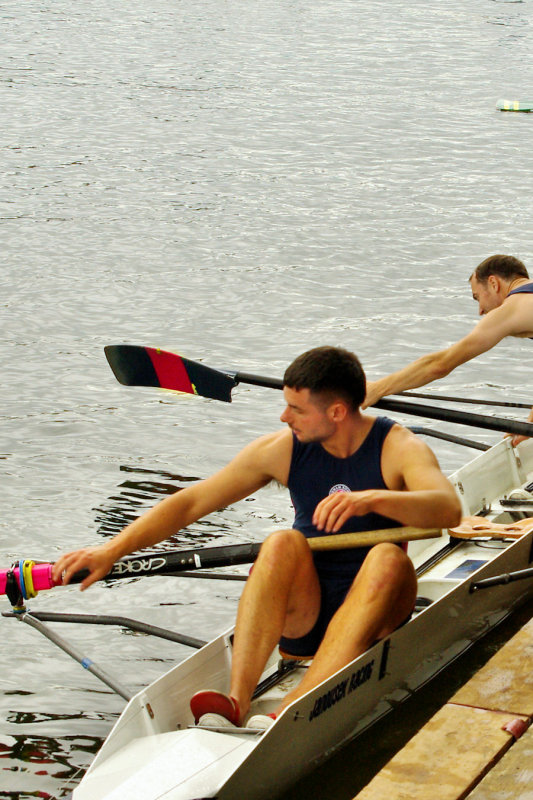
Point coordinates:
[(478, 745)]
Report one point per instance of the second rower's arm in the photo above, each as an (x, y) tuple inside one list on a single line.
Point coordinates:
[(491, 329), (251, 469)]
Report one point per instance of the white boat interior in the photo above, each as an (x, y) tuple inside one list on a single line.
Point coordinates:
[(154, 751)]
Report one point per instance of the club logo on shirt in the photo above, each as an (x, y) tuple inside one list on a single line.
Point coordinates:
[(339, 487)]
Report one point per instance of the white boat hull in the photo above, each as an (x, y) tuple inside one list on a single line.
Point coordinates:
[(152, 754)]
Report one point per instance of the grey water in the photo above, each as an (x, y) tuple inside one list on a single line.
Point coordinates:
[(236, 182)]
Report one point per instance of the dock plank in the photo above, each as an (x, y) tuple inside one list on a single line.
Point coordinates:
[(463, 751), (512, 777), (446, 758), (505, 683)]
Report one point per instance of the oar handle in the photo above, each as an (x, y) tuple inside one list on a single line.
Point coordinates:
[(36, 577), (41, 575), (340, 541)]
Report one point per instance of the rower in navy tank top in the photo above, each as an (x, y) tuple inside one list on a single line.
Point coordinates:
[(500, 285), (314, 474), (323, 390)]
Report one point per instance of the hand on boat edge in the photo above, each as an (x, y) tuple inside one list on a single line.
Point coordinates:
[(516, 439)]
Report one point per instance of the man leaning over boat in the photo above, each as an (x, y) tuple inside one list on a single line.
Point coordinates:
[(504, 293), (346, 471)]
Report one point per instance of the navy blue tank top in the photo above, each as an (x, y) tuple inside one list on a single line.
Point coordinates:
[(315, 474), (526, 288)]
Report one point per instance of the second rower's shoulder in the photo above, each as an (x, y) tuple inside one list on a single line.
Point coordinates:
[(516, 312), (514, 317)]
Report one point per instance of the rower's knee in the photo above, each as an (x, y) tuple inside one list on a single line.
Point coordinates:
[(284, 546), (387, 566), (387, 556)]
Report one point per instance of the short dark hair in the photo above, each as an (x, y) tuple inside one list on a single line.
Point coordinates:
[(503, 266), (329, 372)]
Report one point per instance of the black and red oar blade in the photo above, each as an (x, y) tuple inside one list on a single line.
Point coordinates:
[(134, 365)]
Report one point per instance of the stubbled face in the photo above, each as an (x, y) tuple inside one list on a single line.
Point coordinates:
[(486, 295), (309, 421)]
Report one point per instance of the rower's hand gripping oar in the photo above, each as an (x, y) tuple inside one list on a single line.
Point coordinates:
[(24, 579), (135, 365)]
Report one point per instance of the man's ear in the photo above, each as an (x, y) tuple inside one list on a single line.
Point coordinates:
[(494, 282), (337, 411)]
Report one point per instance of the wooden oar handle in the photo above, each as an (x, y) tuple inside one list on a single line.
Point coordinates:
[(341, 541)]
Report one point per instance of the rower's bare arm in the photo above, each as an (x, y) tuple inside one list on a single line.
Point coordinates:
[(426, 498), (420, 495), (257, 464), (490, 330)]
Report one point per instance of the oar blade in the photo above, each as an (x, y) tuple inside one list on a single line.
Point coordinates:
[(131, 365), (135, 365)]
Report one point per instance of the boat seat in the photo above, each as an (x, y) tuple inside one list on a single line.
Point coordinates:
[(291, 657), (421, 603)]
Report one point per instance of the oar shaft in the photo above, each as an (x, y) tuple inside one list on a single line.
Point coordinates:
[(258, 380), (418, 409), (449, 399), (460, 417), (341, 541), (183, 560), (177, 561)]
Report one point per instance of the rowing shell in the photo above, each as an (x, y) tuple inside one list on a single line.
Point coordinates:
[(155, 751)]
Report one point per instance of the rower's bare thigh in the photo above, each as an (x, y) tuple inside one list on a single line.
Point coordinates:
[(287, 556)]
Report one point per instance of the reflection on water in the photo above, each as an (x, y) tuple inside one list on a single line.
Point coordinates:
[(136, 496), (44, 767)]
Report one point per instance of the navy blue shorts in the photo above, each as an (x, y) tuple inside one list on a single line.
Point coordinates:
[(334, 591)]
